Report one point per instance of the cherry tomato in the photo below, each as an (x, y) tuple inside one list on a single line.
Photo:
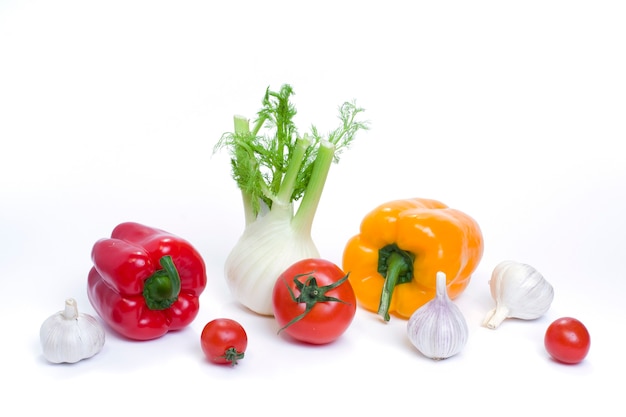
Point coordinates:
[(224, 341), (567, 340), (313, 301)]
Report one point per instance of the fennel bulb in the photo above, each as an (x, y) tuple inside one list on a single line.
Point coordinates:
[(267, 247), (273, 172)]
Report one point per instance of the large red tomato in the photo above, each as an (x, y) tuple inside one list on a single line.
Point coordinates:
[(314, 301), (567, 340)]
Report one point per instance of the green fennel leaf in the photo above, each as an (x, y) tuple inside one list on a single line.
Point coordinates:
[(262, 159)]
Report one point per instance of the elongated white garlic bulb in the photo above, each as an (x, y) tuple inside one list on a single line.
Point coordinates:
[(438, 329), (69, 336), (519, 291)]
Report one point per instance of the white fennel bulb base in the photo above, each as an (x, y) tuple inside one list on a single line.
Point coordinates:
[(268, 246)]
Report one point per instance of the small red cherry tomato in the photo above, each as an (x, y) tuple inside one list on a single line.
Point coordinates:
[(567, 340), (224, 341), (313, 301)]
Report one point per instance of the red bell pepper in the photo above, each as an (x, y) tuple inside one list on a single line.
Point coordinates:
[(145, 282)]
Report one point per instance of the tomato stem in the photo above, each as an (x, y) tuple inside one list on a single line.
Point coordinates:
[(232, 355), (311, 294)]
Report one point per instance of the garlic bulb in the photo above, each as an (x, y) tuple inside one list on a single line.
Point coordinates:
[(69, 336), (438, 329), (519, 291)]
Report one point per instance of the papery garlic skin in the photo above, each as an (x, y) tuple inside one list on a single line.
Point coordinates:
[(519, 291), (69, 336), (438, 329)]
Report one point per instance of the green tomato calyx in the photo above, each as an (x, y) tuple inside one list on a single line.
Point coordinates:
[(311, 294)]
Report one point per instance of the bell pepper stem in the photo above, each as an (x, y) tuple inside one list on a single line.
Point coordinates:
[(396, 266), (162, 288)]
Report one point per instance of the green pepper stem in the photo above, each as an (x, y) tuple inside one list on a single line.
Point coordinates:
[(396, 266), (161, 289)]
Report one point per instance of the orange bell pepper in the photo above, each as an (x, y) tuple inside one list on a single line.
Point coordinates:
[(393, 262)]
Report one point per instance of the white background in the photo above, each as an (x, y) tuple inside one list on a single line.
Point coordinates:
[(513, 112)]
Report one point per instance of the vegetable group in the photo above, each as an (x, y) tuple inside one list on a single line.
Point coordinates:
[(402, 246), (145, 281), (410, 259), (224, 341), (567, 340), (313, 301), (273, 171)]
